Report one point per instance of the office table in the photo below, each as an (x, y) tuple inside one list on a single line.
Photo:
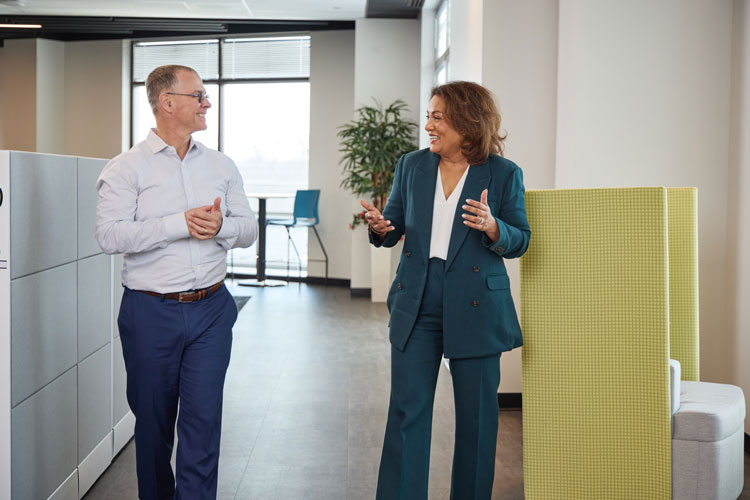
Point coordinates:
[(261, 280)]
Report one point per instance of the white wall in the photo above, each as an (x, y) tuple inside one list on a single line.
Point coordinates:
[(50, 96), (466, 49), (643, 99), (738, 272), (387, 67), (97, 110), (331, 105), (519, 65), (18, 99)]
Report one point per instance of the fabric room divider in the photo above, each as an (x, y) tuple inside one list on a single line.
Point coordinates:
[(608, 296)]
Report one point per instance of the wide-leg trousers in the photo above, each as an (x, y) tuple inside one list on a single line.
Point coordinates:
[(405, 461), (176, 352)]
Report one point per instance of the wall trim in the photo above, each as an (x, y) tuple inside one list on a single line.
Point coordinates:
[(361, 292), (510, 401), (310, 280)]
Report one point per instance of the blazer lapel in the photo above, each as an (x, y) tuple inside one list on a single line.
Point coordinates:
[(477, 181), (424, 199)]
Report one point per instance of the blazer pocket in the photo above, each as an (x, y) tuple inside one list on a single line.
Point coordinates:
[(498, 282)]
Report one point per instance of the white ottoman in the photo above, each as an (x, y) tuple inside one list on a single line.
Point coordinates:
[(708, 442)]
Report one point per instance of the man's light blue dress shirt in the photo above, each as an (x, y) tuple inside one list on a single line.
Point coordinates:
[(143, 196)]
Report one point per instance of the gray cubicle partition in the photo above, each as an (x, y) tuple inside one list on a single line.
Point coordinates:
[(63, 413)]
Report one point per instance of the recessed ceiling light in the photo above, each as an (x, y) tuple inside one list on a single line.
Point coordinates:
[(26, 26)]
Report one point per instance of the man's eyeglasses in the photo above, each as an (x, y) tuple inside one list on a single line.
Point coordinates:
[(201, 97)]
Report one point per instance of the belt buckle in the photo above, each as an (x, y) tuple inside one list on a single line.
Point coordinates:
[(184, 295)]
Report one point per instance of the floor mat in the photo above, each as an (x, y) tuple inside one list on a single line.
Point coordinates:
[(241, 301)]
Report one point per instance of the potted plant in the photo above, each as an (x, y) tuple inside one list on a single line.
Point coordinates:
[(372, 145)]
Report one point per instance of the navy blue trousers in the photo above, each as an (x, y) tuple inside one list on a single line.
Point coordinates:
[(405, 461), (176, 352)]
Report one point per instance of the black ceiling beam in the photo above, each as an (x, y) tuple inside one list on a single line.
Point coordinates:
[(71, 28), (394, 9)]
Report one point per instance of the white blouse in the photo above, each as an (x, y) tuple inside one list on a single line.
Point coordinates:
[(443, 212)]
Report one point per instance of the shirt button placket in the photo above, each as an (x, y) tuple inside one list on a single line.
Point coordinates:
[(192, 203)]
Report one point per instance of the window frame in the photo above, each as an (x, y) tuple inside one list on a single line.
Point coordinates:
[(441, 59), (217, 81)]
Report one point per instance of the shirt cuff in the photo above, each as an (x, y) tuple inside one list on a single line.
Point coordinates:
[(175, 227), (221, 228)]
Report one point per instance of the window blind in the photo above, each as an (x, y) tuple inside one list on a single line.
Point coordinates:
[(278, 57), (201, 55)]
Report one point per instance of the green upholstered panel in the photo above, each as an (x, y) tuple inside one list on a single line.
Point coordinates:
[(683, 280), (594, 311)]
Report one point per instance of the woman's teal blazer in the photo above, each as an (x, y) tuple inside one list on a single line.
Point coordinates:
[(479, 318)]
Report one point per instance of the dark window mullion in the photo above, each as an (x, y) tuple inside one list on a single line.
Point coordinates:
[(220, 111)]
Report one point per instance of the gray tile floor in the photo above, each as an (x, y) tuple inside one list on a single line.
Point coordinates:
[(305, 406)]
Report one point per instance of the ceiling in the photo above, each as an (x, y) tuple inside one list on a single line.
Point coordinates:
[(108, 19)]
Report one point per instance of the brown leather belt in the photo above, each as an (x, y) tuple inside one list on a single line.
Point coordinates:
[(189, 296)]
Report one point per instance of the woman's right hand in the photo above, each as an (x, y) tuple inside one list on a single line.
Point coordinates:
[(375, 219)]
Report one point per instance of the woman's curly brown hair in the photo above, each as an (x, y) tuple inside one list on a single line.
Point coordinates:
[(472, 112)]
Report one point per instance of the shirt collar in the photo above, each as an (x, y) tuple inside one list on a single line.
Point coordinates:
[(156, 143)]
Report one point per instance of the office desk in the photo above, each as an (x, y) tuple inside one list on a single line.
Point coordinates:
[(261, 262)]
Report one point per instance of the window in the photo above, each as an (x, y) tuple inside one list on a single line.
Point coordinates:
[(442, 42), (260, 117)]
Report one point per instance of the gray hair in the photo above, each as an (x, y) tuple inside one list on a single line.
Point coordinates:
[(161, 80)]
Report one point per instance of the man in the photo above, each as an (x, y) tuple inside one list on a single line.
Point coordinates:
[(174, 208)]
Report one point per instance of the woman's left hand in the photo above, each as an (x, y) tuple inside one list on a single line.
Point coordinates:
[(480, 217)]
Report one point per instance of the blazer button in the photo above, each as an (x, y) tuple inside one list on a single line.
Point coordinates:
[(400, 286), (476, 269), (408, 254), (474, 303)]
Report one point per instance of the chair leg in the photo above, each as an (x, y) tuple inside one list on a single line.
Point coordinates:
[(324, 251), (299, 260), (288, 239)]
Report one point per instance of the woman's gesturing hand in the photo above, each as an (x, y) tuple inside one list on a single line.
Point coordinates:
[(480, 217), (375, 219)]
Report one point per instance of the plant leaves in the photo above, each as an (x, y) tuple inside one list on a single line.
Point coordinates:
[(371, 147)]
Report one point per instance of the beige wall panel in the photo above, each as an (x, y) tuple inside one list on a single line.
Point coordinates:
[(331, 105), (18, 100)]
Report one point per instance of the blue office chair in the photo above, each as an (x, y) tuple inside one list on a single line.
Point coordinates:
[(305, 215)]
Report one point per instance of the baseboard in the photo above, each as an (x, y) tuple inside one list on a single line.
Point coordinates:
[(68, 489), (320, 280), (94, 465), (123, 431), (511, 401), (310, 280)]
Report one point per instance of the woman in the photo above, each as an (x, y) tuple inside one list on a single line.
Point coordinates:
[(451, 295)]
